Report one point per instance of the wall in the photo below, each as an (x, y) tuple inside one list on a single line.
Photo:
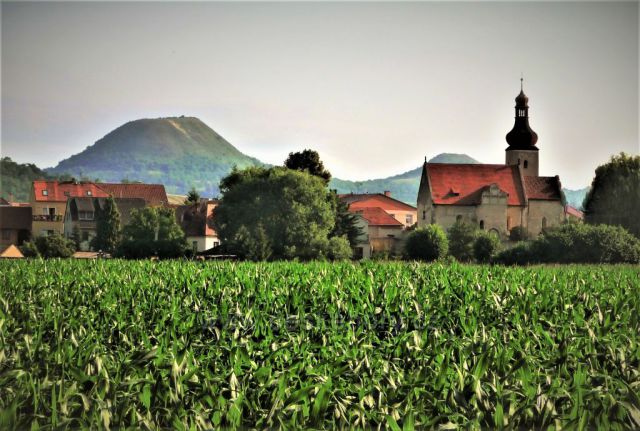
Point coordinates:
[(447, 215), (531, 157), (553, 211), (401, 216), (203, 242), (38, 226)]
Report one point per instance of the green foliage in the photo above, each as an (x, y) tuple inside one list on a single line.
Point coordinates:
[(339, 248), (614, 198), (107, 227), (193, 197), (428, 243), (253, 245), (29, 249), (152, 232), (308, 161), (485, 246), (16, 179), (54, 245), (346, 223), (294, 209), (518, 233), (179, 152), (576, 243), (75, 237), (228, 345), (461, 237)]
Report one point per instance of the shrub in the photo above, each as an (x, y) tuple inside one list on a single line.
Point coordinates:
[(485, 246), (461, 236), (54, 245), (429, 243), (29, 249), (518, 233), (339, 248), (521, 254)]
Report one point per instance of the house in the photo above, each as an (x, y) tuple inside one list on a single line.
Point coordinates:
[(385, 233), (495, 197), (573, 214), (402, 212), (80, 216), (197, 222), (49, 203), (15, 225)]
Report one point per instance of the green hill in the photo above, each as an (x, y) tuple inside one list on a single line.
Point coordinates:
[(16, 179), (403, 187), (179, 152)]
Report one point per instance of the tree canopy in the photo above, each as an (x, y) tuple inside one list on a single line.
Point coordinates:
[(614, 197), (107, 227), (308, 161), (276, 212), (152, 232)]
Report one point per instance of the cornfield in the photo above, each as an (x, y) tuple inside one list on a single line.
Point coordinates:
[(190, 345)]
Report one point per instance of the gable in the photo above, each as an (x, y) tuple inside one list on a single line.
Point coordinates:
[(379, 200)]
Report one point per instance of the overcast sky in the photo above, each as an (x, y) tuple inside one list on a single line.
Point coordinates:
[(373, 87)]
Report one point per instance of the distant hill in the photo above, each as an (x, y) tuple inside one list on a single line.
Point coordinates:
[(16, 179), (179, 152), (575, 198), (403, 187)]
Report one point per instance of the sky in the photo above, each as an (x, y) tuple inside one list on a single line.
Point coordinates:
[(373, 87)]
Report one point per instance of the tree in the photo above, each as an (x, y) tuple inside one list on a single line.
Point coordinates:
[(339, 248), (428, 243), (54, 245), (485, 246), (308, 161), (107, 227), (346, 223), (294, 209), (614, 197), (461, 236), (152, 232), (75, 236), (193, 197)]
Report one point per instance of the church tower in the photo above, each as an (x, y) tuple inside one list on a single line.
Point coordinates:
[(522, 150)]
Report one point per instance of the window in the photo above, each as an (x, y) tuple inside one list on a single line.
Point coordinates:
[(67, 194), (45, 192), (85, 235), (518, 161), (49, 211), (526, 164), (85, 215), (481, 224), (216, 243), (89, 193), (46, 232), (409, 219)]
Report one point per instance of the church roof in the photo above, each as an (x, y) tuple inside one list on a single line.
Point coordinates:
[(463, 184), (543, 188)]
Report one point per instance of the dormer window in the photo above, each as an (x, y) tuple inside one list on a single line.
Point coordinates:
[(89, 193), (45, 192), (67, 194)]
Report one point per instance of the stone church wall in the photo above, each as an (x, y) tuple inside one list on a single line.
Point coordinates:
[(547, 213)]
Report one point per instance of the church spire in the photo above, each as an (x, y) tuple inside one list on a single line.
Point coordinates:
[(521, 135)]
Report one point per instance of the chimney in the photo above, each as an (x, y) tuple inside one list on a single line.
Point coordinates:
[(387, 193)]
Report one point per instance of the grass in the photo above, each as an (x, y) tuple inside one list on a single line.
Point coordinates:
[(187, 345)]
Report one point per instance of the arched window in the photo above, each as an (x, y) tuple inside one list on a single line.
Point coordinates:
[(544, 223), (518, 161), (481, 224), (526, 164), (509, 223)]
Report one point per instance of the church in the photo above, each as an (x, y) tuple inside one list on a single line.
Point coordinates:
[(497, 197)]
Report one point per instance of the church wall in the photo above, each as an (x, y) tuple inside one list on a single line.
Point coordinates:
[(447, 215), (552, 211), (425, 211), (493, 212), (516, 216), (518, 157)]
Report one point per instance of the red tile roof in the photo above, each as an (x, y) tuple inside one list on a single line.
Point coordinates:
[(574, 212), (376, 216), (153, 194), (543, 188), (59, 191), (462, 184), (370, 200)]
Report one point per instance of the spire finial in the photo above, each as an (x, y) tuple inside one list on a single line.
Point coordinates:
[(521, 79), (425, 159)]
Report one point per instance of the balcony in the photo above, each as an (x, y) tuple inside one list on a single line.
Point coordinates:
[(48, 217)]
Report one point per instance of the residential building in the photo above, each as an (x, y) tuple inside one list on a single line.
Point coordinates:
[(402, 212), (197, 222), (495, 197), (153, 194), (81, 212), (49, 203), (385, 233), (15, 225)]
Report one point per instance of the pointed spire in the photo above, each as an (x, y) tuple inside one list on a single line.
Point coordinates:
[(521, 80)]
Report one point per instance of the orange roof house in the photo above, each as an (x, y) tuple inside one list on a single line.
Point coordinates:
[(495, 197), (153, 194), (402, 212)]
